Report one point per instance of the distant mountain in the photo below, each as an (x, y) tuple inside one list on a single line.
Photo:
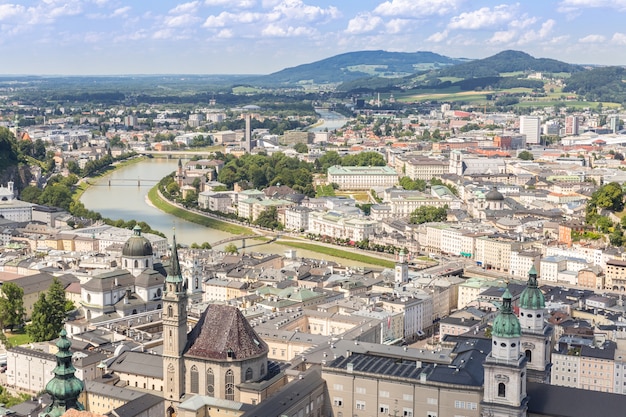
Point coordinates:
[(354, 65), (507, 61), (599, 84)]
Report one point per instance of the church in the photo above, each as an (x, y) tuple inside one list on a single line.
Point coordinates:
[(221, 357)]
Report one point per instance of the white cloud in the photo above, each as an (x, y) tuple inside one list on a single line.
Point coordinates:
[(296, 9), (569, 6), (225, 34), (416, 8), (276, 31), (10, 10), (239, 4), (533, 36), (504, 36), (397, 25), (121, 11), (523, 22), (363, 23), (592, 39), (483, 18), (185, 8), (619, 38), (438, 36), (181, 20), (163, 34)]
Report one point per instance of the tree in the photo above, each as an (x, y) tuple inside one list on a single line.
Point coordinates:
[(31, 194), (526, 156), (11, 305), (425, 214), (49, 313), (301, 148), (269, 218), (231, 248)]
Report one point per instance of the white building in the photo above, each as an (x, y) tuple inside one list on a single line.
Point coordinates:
[(342, 227), (362, 178), (12, 208), (531, 127)]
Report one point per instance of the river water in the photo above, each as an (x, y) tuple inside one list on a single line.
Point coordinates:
[(122, 194), (332, 120)]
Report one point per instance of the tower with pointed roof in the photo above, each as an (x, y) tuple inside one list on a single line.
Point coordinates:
[(402, 268), (505, 367), (174, 333), (536, 333), (64, 387)]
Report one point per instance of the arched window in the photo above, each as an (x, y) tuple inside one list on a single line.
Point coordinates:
[(136, 263), (230, 385), (159, 292), (249, 374), (194, 380), (529, 355), (125, 263), (146, 263), (501, 390), (171, 412), (262, 370), (170, 311), (210, 383), (197, 283)]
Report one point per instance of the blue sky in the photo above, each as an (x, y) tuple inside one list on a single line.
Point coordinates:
[(263, 36)]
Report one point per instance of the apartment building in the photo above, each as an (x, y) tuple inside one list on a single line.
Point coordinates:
[(341, 227), (494, 252), (615, 275), (420, 168)]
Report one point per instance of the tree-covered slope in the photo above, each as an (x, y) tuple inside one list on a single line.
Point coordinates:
[(507, 61), (353, 65), (599, 84)]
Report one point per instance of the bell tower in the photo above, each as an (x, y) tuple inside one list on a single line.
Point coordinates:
[(505, 367), (536, 333), (174, 333)]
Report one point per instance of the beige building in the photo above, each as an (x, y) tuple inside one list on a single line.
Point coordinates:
[(615, 275), (495, 252), (420, 168), (362, 178)]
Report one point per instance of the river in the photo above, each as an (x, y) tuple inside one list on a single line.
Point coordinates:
[(331, 121), (122, 194)]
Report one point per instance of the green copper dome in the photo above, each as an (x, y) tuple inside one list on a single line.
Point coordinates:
[(532, 298), (64, 387), (506, 323), (137, 245)]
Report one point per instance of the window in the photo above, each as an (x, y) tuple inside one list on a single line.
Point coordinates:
[(338, 387), (431, 401), (384, 409), (338, 402), (170, 311), (431, 414), (383, 394), (194, 380), (249, 374), (501, 390), (459, 404), (407, 397), (407, 412), (360, 390), (529, 355), (360, 405), (230, 385)]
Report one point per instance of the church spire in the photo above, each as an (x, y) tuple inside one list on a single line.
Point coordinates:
[(64, 387), (174, 281)]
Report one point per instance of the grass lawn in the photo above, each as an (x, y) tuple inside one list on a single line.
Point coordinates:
[(338, 253), (19, 337), (165, 206)]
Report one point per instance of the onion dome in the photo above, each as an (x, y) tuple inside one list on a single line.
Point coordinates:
[(494, 195), (137, 245), (64, 387), (506, 323), (532, 298)]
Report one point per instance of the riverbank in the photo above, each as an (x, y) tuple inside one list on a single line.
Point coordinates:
[(157, 199), (162, 204), (83, 184)]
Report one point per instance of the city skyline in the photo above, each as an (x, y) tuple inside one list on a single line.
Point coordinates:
[(100, 37)]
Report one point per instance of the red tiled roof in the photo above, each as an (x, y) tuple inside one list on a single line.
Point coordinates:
[(222, 329)]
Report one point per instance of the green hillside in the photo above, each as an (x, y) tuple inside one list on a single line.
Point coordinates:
[(354, 65)]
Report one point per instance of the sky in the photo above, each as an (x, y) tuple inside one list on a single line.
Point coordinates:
[(109, 37)]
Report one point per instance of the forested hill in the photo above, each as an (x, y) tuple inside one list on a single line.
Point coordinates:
[(507, 61), (599, 84), (353, 65)]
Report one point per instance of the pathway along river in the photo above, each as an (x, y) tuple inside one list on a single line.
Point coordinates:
[(123, 195)]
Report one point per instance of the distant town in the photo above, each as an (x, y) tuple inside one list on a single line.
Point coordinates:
[(471, 258)]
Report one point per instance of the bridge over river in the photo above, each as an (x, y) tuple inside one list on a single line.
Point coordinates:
[(124, 182)]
